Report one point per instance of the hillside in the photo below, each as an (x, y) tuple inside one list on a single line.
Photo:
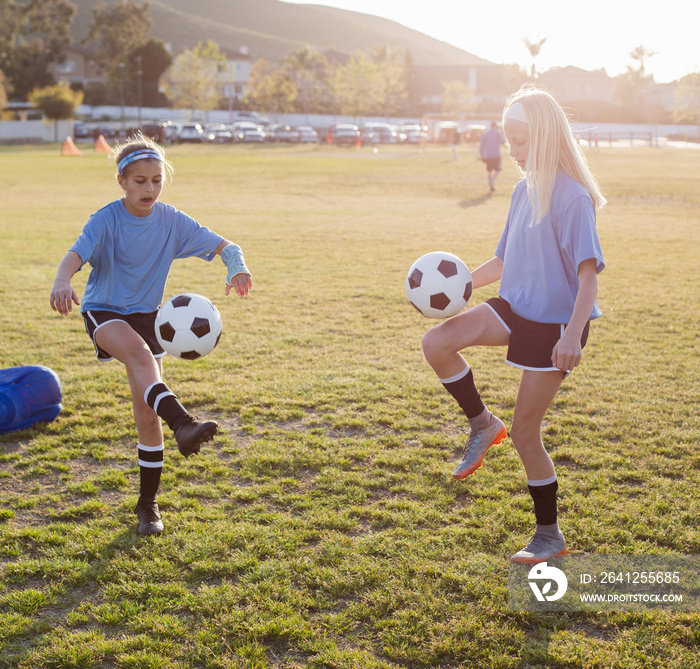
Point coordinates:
[(271, 29)]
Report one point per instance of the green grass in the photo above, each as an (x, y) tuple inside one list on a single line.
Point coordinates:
[(322, 527)]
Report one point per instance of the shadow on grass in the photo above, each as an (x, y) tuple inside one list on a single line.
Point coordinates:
[(476, 201)]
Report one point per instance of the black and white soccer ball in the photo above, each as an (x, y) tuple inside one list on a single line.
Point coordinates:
[(439, 285), (188, 326)]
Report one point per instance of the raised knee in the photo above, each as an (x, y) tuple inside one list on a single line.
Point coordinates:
[(432, 345), (141, 358)]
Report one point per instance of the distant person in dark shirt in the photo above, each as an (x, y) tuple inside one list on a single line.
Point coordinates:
[(490, 153)]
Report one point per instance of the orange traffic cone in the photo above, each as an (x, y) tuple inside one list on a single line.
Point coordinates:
[(70, 149), (101, 145)]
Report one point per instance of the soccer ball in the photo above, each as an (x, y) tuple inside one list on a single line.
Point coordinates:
[(439, 285), (188, 326)]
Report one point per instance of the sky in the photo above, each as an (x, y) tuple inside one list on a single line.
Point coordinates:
[(590, 34)]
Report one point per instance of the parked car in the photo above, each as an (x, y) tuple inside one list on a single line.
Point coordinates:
[(81, 131), (379, 133), (344, 133), (156, 131), (250, 117), (282, 133), (413, 133), (245, 131), (217, 133), (168, 131), (307, 134), (190, 132)]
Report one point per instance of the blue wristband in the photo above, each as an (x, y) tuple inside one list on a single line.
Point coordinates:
[(232, 257)]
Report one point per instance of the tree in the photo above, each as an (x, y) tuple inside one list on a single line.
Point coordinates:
[(632, 88), (10, 22), (155, 60), (377, 83), (457, 98), (191, 81), (33, 35), (395, 68), (3, 94), (515, 76), (687, 103), (534, 48), (57, 102), (271, 89), (307, 70), (116, 31), (358, 87), (641, 55)]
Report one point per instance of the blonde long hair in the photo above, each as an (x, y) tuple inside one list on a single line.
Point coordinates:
[(553, 147)]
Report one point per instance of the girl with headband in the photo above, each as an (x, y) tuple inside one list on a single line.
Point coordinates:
[(131, 244), (547, 260)]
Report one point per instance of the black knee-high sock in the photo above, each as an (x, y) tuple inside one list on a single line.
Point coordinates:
[(545, 499), (165, 403), (150, 467), (463, 389)]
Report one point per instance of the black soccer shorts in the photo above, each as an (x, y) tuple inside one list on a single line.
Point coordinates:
[(143, 324), (531, 343)]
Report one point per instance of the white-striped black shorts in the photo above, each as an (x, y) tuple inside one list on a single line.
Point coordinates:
[(531, 343), (143, 324)]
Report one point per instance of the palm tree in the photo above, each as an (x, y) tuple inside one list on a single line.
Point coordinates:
[(641, 55), (534, 47)]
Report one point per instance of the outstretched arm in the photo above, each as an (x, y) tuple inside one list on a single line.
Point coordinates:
[(62, 295), (238, 277)]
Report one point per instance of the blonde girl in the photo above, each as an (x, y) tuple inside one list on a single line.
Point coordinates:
[(547, 261)]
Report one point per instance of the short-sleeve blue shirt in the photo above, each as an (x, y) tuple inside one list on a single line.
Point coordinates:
[(540, 262), (131, 255), (490, 144)]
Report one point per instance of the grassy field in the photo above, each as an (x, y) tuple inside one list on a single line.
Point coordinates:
[(322, 527)]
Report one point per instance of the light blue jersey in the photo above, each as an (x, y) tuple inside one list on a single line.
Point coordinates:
[(131, 255), (490, 144), (540, 262)]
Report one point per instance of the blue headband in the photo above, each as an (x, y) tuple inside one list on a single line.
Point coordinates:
[(141, 154)]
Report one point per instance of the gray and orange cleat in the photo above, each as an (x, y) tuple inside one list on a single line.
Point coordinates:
[(478, 443), (540, 549)]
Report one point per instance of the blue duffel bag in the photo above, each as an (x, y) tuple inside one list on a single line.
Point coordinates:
[(28, 395)]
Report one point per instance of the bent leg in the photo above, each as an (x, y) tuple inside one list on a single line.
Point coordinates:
[(442, 344), (144, 371)]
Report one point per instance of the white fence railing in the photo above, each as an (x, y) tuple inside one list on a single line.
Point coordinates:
[(17, 132)]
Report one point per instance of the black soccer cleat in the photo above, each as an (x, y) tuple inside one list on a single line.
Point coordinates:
[(192, 433), (149, 516)]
